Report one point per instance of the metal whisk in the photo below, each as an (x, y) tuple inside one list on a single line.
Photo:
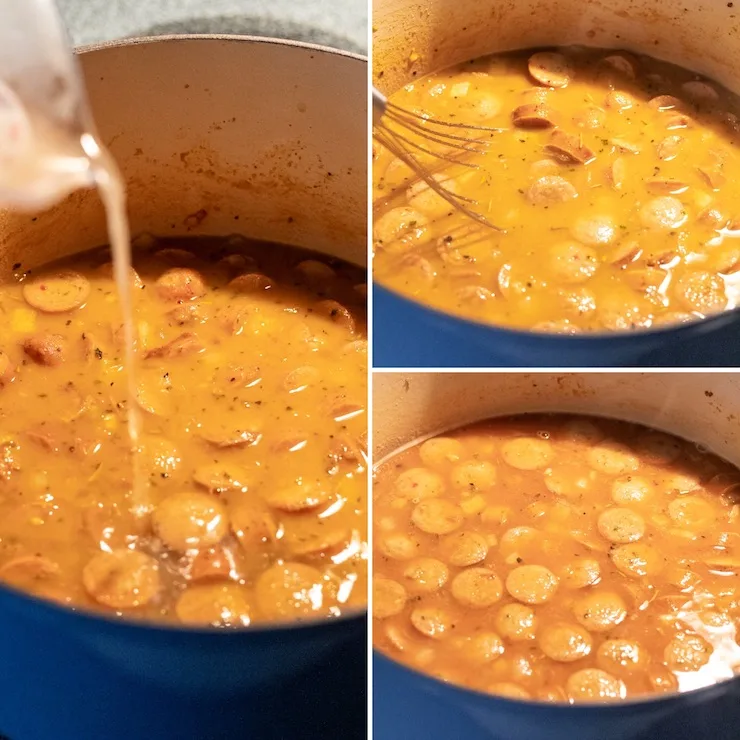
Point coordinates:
[(456, 139)]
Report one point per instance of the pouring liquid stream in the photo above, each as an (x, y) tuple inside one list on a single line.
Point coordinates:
[(40, 164)]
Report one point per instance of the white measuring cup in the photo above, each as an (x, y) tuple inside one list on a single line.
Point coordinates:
[(46, 129)]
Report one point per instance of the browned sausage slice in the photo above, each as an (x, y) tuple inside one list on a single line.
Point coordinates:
[(183, 346), (175, 256), (251, 282), (180, 284), (533, 115), (337, 313), (701, 93), (616, 173), (45, 349), (668, 148), (622, 64), (63, 291), (222, 437), (550, 68), (665, 102), (665, 186), (568, 148), (713, 175), (551, 189), (625, 253)]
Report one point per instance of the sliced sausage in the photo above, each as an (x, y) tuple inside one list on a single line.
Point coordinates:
[(316, 272), (180, 284), (251, 282), (122, 578), (619, 100), (669, 147), (399, 229), (551, 189), (568, 149), (616, 173), (302, 495), (184, 314), (591, 117), (182, 346), (550, 69), (625, 253), (57, 293), (713, 175), (595, 231), (437, 516), (572, 262), (665, 102), (216, 605), (220, 477), (564, 642), (46, 349), (175, 256), (701, 291), (622, 64), (701, 93), (663, 213), (190, 520), (477, 588), (212, 563), (625, 146), (665, 186), (532, 584), (389, 597), (534, 115), (253, 524), (290, 590), (594, 685), (337, 313), (224, 438)]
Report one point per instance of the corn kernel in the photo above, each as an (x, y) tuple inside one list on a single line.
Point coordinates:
[(23, 320)]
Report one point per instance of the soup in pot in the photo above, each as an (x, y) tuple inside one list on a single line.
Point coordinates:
[(614, 179), (245, 498), (559, 558)]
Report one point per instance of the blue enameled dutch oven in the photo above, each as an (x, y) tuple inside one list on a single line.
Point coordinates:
[(245, 131), (701, 35), (408, 705)]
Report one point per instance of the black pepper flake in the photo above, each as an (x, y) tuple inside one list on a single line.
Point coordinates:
[(98, 353)]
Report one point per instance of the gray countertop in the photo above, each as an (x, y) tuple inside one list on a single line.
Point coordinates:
[(339, 23)]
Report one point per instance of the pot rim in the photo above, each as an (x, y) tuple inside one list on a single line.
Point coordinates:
[(268, 40), (559, 706), (701, 325), (132, 624)]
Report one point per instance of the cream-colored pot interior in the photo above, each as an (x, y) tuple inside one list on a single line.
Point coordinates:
[(218, 136), (701, 407), (703, 35)]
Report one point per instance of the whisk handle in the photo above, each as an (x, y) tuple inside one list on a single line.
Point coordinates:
[(380, 103)]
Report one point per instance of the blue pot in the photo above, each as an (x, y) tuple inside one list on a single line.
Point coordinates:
[(408, 334), (78, 676), (411, 706)]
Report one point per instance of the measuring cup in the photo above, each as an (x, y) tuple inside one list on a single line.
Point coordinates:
[(46, 131)]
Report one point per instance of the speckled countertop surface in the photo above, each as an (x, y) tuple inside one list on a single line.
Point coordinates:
[(338, 23)]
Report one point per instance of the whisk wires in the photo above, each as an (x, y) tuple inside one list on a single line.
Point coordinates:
[(457, 139)]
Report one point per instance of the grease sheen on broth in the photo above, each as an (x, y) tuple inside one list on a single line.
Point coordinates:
[(559, 558), (251, 372), (616, 178)]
